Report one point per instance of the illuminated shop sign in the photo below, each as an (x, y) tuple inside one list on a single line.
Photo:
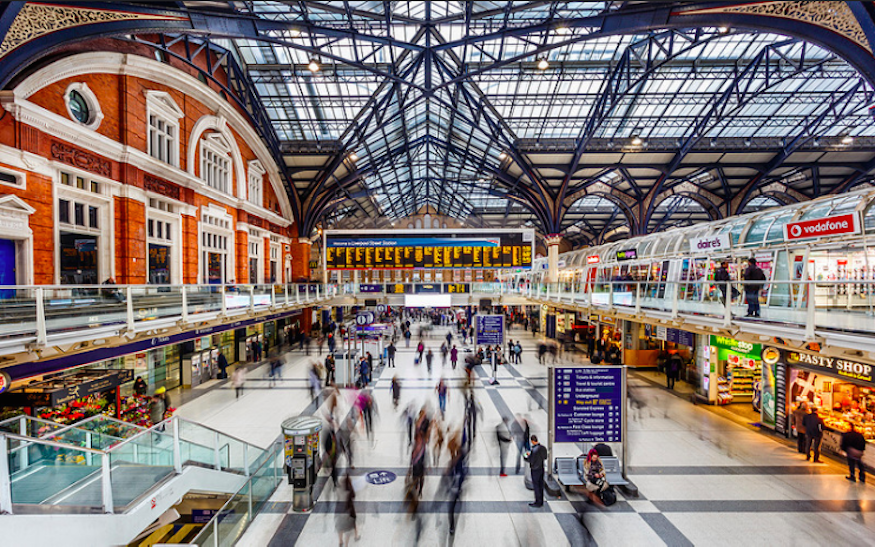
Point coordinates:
[(823, 227), (713, 243), (843, 368), (593, 259), (628, 254)]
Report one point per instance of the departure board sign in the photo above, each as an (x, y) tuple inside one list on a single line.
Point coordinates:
[(588, 404), (433, 249)]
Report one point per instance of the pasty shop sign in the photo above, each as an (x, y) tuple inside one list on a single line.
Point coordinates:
[(852, 370)]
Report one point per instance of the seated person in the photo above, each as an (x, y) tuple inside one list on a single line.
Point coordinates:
[(594, 472)]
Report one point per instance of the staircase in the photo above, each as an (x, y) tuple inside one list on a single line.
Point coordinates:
[(102, 481)]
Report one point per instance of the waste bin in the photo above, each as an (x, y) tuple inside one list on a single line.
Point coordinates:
[(301, 436)]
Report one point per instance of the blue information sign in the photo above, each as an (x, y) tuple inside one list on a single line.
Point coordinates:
[(490, 329), (380, 477), (588, 404)]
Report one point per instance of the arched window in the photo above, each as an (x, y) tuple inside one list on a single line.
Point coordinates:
[(216, 162)]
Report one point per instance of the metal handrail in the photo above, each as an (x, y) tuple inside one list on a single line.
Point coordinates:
[(208, 428), (53, 444)]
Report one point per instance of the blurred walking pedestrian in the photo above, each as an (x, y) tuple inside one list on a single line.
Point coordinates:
[(502, 435)]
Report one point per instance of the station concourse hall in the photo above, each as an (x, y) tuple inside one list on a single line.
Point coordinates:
[(437, 273)]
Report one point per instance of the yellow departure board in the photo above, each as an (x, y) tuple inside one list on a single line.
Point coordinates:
[(450, 249)]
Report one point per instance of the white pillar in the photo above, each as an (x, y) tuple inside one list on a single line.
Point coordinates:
[(552, 242)]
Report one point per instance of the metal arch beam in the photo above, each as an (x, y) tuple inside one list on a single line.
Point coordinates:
[(633, 18), (620, 83), (806, 134), (27, 52), (849, 182), (499, 131), (630, 216), (716, 113)]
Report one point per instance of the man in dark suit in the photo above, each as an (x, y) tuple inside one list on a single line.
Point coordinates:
[(536, 458)]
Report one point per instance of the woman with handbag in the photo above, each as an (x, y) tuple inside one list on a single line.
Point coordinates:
[(853, 444), (594, 472)]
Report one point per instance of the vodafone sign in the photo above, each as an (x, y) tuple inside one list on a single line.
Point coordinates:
[(823, 227)]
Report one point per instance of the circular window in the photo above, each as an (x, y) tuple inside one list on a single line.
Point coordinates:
[(79, 107)]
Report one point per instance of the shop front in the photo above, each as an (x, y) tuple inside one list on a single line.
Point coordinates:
[(200, 362), (842, 392), (736, 378), (651, 346), (70, 397)]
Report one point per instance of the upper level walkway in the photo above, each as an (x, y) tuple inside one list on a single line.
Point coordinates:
[(838, 315)]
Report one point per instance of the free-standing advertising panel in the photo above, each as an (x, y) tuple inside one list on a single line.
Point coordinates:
[(434, 249)]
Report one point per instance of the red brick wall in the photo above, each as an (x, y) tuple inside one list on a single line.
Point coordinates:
[(130, 242), (123, 103), (242, 257), (300, 261)]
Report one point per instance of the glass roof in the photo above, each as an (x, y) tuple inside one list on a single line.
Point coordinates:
[(435, 97)]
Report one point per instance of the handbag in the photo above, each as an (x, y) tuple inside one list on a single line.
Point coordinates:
[(854, 453)]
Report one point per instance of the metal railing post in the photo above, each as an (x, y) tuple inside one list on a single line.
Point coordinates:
[(638, 299), (809, 316), (307, 292), (611, 295), (25, 454), (224, 304), (674, 300), (217, 454), (297, 294), (89, 443), (177, 449), (252, 299), (286, 291), (317, 292), (246, 459), (184, 304), (129, 302), (41, 335), (106, 484), (5, 479), (272, 297), (727, 305)]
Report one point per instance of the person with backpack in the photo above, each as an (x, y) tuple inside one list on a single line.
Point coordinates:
[(723, 279), (752, 289), (390, 354), (419, 349)]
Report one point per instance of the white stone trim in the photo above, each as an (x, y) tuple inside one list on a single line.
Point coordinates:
[(162, 105), (95, 112), (109, 62), (61, 127), (20, 177), (15, 225)]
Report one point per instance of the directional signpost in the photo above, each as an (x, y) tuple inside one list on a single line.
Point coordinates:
[(588, 406)]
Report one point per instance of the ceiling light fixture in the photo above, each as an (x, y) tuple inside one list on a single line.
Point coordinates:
[(636, 140), (502, 155), (353, 156), (722, 30), (543, 64), (847, 139), (313, 66)]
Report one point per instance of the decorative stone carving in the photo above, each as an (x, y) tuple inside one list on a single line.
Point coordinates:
[(35, 20), (159, 186), (81, 159), (255, 221), (834, 16)]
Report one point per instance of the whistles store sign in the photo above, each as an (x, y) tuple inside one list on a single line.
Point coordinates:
[(823, 227)]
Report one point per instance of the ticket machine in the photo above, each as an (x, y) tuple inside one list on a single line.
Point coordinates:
[(301, 438)]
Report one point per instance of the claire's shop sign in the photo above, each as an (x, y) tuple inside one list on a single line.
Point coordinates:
[(706, 244), (823, 227)]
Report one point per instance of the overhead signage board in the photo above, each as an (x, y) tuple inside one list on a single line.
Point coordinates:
[(628, 254), (744, 349), (848, 224), (489, 329), (434, 249), (588, 404), (720, 242), (370, 288)]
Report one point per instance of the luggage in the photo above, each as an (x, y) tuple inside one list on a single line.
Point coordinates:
[(603, 450), (552, 487), (608, 496)]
